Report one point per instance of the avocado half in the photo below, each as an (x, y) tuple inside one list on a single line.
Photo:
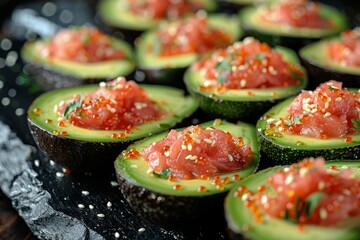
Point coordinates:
[(115, 14), (241, 104), (169, 70), (156, 199), (321, 68), (81, 149), (288, 148), (241, 224), (289, 36), (55, 73)]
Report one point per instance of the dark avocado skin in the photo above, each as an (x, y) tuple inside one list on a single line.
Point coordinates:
[(233, 110), (75, 155), (173, 211), (273, 154), (319, 74), (165, 76), (49, 79)]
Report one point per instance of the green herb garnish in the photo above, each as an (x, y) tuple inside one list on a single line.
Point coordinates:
[(165, 173), (313, 201), (333, 88), (72, 106), (86, 39), (356, 123), (223, 67)]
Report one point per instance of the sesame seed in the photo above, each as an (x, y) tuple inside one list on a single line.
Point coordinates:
[(141, 230), (52, 163), (183, 147), (242, 83), (230, 158), (111, 109), (245, 196), (347, 192), (289, 179), (345, 167), (59, 174), (327, 114), (264, 199), (209, 141), (117, 235), (338, 99), (321, 185), (114, 183), (326, 105), (167, 153), (100, 215), (196, 140), (194, 157), (56, 108), (91, 207), (102, 84), (213, 143), (85, 193), (188, 156), (323, 213), (109, 204), (81, 206), (194, 135), (149, 170), (209, 128), (189, 147)]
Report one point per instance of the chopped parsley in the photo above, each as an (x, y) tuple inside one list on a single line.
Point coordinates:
[(165, 173), (72, 106), (223, 67)]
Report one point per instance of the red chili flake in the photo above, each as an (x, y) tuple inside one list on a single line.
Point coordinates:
[(249, 93), (261, 188), (217, 180), (333, 167), (348, 139), (132, 153), (202, 189), (236, 177), (61, 124), (177, 187), (37, 110), (122, 135), (63, 133), (203, 176), (172, 178), (226, 180)]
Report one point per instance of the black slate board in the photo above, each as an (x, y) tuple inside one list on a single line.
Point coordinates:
[(47, 199)]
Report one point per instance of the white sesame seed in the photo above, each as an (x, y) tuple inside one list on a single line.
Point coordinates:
[(286, 169), (59, 174), (327, 114), (56, 108), (100, 215), (114, 184), (102, 84), (245, 196), (149, 171), (141, 230), (36, 162), (167, 153), (85, 193), (345, 167), (52, 163), (196, 140), (183, 147), (91, 207), (338, 99), (323, 213), (264, 199), (194, 157), (321, 185), (230, 158), (289, 179), (326, 105), (109, 204), (209, 128), (117, 235), (213, 143), (242, 83), (209, 141), (194, 135), (81, 206), (347, 192), (189, 147), (111, 109), (188, 156)]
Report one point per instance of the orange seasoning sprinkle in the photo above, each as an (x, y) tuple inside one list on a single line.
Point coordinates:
[(177, 187), (132, 153)]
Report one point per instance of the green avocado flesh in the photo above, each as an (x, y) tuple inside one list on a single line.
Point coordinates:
[(103, 69), (241, 222), (170, 99), (193, 80), (316, 54), (250, 19), (146, 59), (117, 14), (135, 170), (288, 146)]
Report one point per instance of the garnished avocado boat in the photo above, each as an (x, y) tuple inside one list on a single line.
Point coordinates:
[(164, 59), (299, 30), (63, 122), (321, 66), (245, 219), (132, 17), (242, 82), (75, 56), (326, 125), (170, 201)]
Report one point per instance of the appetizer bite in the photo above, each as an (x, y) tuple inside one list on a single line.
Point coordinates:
[(164, 53), (76, 56), (87, 127), (134, 16), (324, 122), (245, 79), (335, 58), (312, 199), (182, 176), (292, 23)]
